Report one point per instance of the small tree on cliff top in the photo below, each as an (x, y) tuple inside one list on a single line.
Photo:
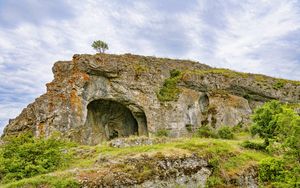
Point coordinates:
[(100, 46)]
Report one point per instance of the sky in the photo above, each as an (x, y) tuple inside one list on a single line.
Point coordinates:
[(257, 36)]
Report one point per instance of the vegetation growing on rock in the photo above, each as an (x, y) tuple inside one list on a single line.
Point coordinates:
[(226, 133), (277, 82), (170, 91), (206, 132), (162, 133)]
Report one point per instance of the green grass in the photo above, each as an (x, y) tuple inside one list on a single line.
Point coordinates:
[(201, 146), (224, 72), (110, 151), (50, 181), (278, 83), (243, 160), (227, 155)]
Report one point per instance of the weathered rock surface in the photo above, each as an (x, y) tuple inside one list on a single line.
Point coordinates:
[(158, 171), (150, 171), (247, 178), (136, 141), (97, 97)]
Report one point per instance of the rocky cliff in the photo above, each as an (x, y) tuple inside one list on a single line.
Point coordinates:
[(99, 97)]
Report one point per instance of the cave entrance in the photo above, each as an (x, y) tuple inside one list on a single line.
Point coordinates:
[(110, 119)]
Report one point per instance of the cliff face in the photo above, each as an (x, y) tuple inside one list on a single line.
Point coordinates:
[(99, 97)]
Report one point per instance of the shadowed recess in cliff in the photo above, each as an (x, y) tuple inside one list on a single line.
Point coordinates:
[(111, 119)]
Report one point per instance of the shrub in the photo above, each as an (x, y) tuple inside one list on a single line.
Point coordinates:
[(288, 123), (25, 156), (279, 84), (213, 181), (240, 127), (271, 169), (139, 70), (189, 127), (174, 73), (214, 162), (170, 91), (162, 133), (279, 173), (206, 132), (278, 124), (252, 145), (225, 133), (264, 120)]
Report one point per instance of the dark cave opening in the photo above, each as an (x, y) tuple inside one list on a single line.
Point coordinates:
[(110, 119)]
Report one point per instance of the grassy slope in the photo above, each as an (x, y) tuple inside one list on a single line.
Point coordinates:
[(228, 155)]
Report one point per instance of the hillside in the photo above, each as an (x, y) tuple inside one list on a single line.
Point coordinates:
[(134, 121), (94, 98), (185, 162)]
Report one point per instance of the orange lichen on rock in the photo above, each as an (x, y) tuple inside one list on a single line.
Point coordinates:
[(85, 76), (235, 101), (50, 106), (190, 94), (75, 102), (40, 129)]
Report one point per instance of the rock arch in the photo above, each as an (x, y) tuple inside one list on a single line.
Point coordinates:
[(110, 119)]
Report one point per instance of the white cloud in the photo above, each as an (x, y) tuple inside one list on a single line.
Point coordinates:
[(251, 36), (248, 29), (253, 39)]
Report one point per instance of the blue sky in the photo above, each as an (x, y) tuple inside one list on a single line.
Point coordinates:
[(258, 36)]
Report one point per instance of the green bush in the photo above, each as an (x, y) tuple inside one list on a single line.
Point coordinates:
[(206, 132), (162, 133), (213, 181), (279, 173), (252, 145), (225, 133), (280, 124), (288, 123), (170, 91), (25, 156), (214, 163), (175, 73), (240, 127), (271, 169), (264, 120), (278, 85)]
